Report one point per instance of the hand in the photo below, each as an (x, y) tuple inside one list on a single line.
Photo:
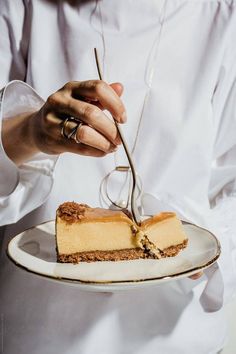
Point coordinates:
[(196, 276), (86, 100)]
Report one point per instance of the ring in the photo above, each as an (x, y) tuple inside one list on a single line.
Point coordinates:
[(72, 134)]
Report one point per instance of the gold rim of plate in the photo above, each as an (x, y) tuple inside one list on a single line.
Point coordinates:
[(120, 282)]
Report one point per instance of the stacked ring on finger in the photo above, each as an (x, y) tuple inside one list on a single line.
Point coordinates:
[(73, 132)]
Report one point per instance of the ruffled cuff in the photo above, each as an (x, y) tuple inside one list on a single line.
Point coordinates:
[(23, 188)]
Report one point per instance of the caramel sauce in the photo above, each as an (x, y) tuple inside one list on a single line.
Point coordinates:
[(157, 218), (73, 212)]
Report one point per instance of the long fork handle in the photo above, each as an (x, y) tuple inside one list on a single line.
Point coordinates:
[(134, 209)]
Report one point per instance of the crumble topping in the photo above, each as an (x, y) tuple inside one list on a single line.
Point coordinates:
[(71, 211)]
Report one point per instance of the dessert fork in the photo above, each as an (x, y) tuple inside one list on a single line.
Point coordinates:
[(134, 192)]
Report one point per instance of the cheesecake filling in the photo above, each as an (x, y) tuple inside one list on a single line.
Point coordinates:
[(108, 236), (88, 234), (94, 236)]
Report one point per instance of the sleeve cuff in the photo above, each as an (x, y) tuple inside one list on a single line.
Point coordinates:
[(20, 186)]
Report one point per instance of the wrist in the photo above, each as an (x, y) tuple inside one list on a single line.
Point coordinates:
[(28, 130), (18, 139)]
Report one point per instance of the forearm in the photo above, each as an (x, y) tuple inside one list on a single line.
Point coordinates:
[(17, 138)]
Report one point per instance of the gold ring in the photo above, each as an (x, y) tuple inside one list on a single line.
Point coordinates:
[(72, 134)]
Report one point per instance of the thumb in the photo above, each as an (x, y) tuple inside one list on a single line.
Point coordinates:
[(117, 87)]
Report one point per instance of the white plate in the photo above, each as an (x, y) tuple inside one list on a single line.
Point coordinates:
[(34, 250)]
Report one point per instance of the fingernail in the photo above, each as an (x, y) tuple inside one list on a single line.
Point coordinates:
[(117, 141), (124, 117), (114, 149)]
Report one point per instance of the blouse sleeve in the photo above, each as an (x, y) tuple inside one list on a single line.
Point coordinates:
[(19, 186), (14, 39), (222, 188)]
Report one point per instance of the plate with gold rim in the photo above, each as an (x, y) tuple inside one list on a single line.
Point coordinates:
[(34, 250)]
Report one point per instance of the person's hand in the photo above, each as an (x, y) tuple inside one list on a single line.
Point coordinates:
[(196, 276), (25, 135), (85, 101)]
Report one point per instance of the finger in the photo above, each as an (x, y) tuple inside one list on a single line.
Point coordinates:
[(92, 138), (196, 276), (81, 149), (86, 150), (103, 93), (85, 134), (51, 140), (90, 115), (117, 87), (63, 144)]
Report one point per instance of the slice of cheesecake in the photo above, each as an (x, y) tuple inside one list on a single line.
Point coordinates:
[(95, 234)]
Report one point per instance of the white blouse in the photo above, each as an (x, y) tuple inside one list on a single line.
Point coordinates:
[(185, 155)]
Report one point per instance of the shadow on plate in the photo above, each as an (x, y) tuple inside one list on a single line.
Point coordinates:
[(39, 244)]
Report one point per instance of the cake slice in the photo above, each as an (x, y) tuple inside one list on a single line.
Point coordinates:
[(96, 234)]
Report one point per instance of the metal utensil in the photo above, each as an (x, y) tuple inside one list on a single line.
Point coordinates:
[(134, 192)]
